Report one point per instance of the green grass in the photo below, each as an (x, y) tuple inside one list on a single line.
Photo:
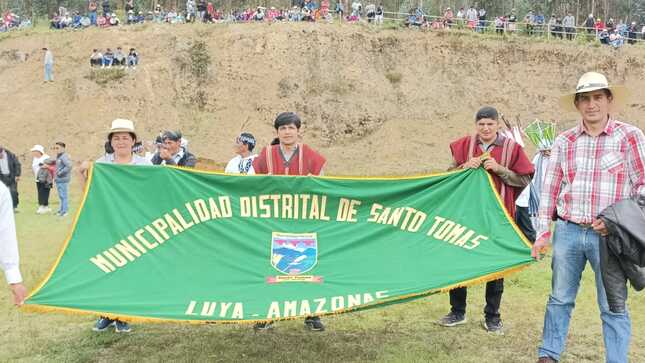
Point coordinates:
[(399, 333)]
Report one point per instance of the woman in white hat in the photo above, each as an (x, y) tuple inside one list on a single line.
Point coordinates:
[(39, 156), (122, 138)]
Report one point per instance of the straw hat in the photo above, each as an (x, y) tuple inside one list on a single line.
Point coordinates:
[(122, 125), (38, 148), (593, 81)]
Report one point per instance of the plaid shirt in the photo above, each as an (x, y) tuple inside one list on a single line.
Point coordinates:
[(587, 174)]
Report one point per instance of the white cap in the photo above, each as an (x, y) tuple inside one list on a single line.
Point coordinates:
[(38, 148)]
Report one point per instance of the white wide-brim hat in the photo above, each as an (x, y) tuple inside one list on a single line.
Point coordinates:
[(593, 81), (38, 148), (122, 125)]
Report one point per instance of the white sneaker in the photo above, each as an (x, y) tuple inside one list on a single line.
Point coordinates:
[(46, 210), (40, 210)]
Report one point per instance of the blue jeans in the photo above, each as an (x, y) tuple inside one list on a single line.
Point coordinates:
[(49, 69), (92, 15), (63, 196), (573, 246)]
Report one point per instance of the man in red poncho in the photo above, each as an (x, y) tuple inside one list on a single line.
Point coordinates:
[(511, 171), (286, 156)]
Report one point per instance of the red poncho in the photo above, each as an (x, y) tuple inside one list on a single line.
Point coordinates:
[(507, 153), (306, 161)]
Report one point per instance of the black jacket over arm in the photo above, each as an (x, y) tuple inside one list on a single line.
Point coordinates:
[(622, 251)]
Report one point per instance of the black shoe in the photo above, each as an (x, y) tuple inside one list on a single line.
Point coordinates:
[(493, 325), (313, 323), (263, 326), (452, 319), (121, 327), (102, 324)]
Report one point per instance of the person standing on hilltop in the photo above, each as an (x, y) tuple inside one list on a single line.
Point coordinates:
[(91, 12), (49, 65), (10, 170), (106, 8), (511, 171), (289, 157), (594, 165), (569, 23)]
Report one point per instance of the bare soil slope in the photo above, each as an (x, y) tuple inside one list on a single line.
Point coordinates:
[(375, 102)]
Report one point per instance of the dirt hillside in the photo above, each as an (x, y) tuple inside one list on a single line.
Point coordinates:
[(375, 102)]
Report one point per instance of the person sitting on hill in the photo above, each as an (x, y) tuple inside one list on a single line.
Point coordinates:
[(259, 14), (615, 39), (119, 57), (603, 36), (114, 20), (306, 14), (76, 20), (131, 18), (96, 59), (133, 58), (108, 58)]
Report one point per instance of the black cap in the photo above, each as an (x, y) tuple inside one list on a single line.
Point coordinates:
[(486, 112), (171, 135)]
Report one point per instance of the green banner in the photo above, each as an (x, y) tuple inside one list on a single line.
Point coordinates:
[(170, 244)]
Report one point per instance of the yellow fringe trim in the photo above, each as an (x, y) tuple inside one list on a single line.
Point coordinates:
[(138, 319), (399, 299)]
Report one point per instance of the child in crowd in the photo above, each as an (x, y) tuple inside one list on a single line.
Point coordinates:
[(96, 59), (133, 58), (108, 58), (119, 57)]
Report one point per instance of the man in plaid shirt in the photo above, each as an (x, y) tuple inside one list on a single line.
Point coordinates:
[(594, 165)]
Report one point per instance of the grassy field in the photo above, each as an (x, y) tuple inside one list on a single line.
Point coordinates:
[(400, 333)]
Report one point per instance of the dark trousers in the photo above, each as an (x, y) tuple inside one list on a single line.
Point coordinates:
[(523, 221), (13, 188), (494, 290), (43, 193)]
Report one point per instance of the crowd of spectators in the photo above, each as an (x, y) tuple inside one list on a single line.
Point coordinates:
[(533, 23), (614, 33), (11, 21)]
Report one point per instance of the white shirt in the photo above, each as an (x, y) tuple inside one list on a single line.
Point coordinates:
[(35, 163), (9, 258), (523, 199), (471, 14), (238, 164), (136, 160), (49, 57)]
